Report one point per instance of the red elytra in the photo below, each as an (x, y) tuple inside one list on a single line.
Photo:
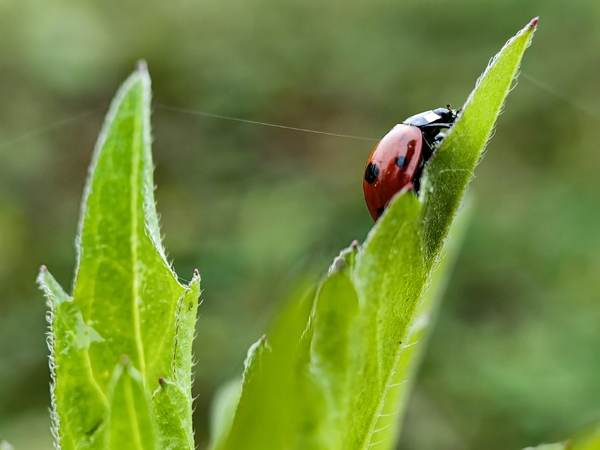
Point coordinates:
[(392, 166)]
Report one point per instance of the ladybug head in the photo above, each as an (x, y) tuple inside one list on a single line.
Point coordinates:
[(447, 114)]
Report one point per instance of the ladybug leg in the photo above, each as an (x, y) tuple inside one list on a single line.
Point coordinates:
[(417, 181), (431, 135), (427, 153), (428, 148), (438, 139)]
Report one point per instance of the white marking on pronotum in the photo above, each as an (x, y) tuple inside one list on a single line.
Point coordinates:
[(431, 116)]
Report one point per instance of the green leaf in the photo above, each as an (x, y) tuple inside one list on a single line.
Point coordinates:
[(127, 300), (340, 366), (174, 418), (173, 399), (424, 315), (450, 170), (130, 421), (270, 382), (223, 410)]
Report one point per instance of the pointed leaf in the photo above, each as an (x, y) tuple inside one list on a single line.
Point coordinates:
[(451, 168), (360, 346), (174, 417), (223, 410), (390, 419), (127, 300), (172, 400), (130, 421), (331, 362), (121, 260), (269, 389), (445, 181)]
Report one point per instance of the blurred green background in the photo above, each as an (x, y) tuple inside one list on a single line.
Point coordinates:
[(515, 357)]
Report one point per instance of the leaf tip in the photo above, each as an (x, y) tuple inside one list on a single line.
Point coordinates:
[(44, 279), (142, 66), (42, 273), (124, 360), (533, 23), (161, 381), (195, 278)]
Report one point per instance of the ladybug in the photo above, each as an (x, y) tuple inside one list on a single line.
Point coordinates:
[(398, 159)]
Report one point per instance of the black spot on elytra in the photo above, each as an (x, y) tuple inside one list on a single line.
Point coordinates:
[(371, 173), (380, 211), (401, 161)]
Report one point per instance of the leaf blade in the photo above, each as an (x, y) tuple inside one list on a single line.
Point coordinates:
[(273, 370), (126, 300), (130, 421), (119, 261), (173, 398), (445, 181), (352, 387), (450, 170)]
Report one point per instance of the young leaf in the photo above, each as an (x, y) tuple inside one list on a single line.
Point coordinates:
[(270, 384), (126, 300), (173, 399), (173, 415), (390, 418), (338, 375), (222, 411), (130, 421), (450, 170)]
